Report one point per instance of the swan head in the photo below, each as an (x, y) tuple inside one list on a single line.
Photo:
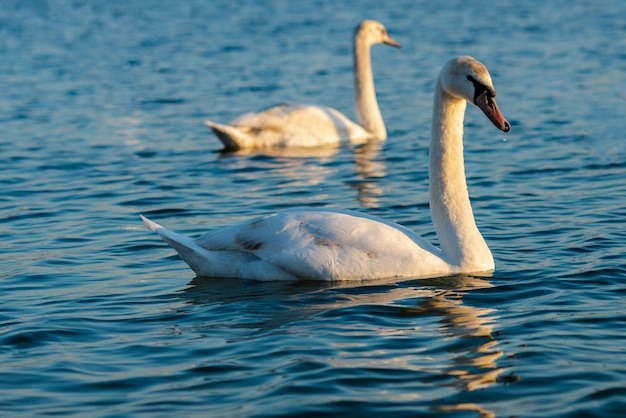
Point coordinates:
[(372, 32), (467, 78)]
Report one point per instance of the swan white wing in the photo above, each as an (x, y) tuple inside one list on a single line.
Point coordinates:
[(329, 245), (295, 125), (219, 263)]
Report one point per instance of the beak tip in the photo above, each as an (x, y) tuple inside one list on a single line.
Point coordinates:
[(392, 42)]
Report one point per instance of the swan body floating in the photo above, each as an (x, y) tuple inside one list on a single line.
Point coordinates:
[(296, 125), (330, 244)]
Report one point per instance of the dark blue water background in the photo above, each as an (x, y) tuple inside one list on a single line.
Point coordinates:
[(101, 118)]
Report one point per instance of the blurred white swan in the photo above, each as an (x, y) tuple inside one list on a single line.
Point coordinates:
[(297, 125), (330, 244)]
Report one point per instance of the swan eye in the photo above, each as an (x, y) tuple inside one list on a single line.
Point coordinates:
[(479, 88), (474, 81)]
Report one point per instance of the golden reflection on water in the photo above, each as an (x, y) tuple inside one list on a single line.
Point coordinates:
[(471, 357), (477, 367), (367, 167), (484, 413)]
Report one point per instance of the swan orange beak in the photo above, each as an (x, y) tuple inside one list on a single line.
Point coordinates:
[(390, 41), (488, 105)]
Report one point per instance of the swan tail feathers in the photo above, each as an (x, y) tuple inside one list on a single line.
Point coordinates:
[(232, 137), (199, 259)]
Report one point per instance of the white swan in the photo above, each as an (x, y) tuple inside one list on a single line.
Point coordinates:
[(329, 244), (296, 125)]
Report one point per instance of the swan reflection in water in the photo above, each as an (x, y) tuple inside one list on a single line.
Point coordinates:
[(294, 166), (459, 342), (369, 169), (476, 367)]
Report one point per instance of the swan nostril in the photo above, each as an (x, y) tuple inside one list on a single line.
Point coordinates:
[(507, 126)]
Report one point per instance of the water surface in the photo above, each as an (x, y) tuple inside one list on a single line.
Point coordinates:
[(101, 115)]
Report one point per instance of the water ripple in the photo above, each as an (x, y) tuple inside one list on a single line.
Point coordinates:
[(101, 112)]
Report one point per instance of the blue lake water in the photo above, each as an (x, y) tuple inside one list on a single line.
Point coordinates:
[(101, 118)]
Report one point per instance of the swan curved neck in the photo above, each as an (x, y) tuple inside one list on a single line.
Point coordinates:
[(367, 110), (459, 237)]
